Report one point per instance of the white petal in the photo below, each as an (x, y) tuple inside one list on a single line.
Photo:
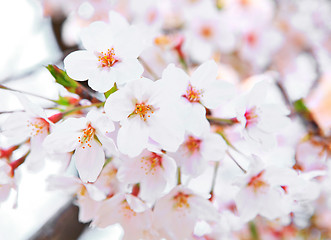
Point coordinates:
[(97, 37), (16, 127), (213, 147), (218, 92), (116, 20), (132, 136), (129, 43), (128, 70), (35, 161), (204, 75), (100, 121), (102, 80), (31, 108), (176, 80), (89, 161), (119, 105), (80, 65)]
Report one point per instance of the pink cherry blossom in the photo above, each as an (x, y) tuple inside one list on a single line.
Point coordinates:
[(151, 169)]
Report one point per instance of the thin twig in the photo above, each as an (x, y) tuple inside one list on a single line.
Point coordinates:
[(28, 93), (235, 161)]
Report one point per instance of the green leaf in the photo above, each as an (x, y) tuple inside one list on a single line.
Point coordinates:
[(62, 78), (112, 90), (64, 101), (300, 106)]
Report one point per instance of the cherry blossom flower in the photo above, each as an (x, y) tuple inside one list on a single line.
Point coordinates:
[(271, 191), (145, 111), (195, 93), (151, 169), (133, 215), (31, 124), (178, 211), (195, 152), (89, 197), (259, 121), (87, 136), (110, 56)]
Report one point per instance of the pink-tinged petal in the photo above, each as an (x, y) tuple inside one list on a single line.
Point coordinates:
[(97, 37), (60, 182), (94, 192), (169, 167), (218, 92), (135, 203), (213, 147), (128, 70), (152, 186), (119, 106), (132, 136), (80, 65), (35, 161), (89, 161), (204, 75), (108, 212), (16, 127), (33, 109), (247, 204), (131, 171), (102, 80), (4, 192), (88, 208)]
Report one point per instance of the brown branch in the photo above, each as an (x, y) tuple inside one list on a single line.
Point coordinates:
[(64, 225)]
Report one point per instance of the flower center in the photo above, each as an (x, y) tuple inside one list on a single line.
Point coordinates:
[(192, 94), (107, 59), (151, 163), (126, 210), (142, 110), (251, 117), (181, 200), (192, 144), (256, 182), (88, 134), (251, 38), (38, 126), (206, 31)]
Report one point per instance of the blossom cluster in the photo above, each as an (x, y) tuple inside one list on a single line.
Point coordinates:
[(187, 127)]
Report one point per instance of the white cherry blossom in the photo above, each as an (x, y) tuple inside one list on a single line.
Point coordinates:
[(110, 56), (31, 124), (145, 110), (87, 136), (260, 121), (196, 92)]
